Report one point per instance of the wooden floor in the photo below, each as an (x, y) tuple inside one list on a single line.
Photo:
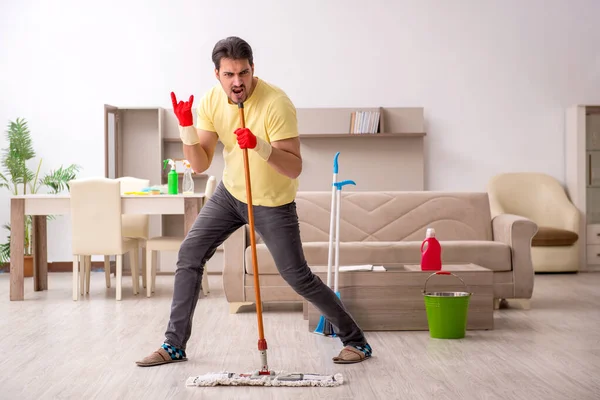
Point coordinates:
[(54, 348)]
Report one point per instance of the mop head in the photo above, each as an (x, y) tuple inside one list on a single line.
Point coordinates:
[(275, 379)]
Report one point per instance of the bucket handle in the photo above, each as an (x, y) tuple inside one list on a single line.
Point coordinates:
[(444, 273)]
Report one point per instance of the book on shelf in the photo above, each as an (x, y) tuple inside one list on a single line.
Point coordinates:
[(365, 122)]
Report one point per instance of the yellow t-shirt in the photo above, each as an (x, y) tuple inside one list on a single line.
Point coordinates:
[(270, 115)]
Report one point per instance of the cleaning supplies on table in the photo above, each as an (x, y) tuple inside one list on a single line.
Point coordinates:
[(431, 252), (172, 177), (188, 181), (150, 190), (157, 189)]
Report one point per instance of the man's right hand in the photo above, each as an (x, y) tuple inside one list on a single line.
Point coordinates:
[(183, 112)]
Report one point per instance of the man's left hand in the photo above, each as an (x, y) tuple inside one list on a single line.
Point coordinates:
[(245, 138)]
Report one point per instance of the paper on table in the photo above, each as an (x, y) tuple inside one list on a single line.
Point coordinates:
[(367, 267)]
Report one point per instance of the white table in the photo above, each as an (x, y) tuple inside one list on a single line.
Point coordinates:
[(41, 205)]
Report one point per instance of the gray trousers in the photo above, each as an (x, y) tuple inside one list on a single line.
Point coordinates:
[(278, 227)]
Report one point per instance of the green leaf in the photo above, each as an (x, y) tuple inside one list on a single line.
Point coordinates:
[(5, 247), (58, 180), (33, 179), (4, 182), (5, 252)]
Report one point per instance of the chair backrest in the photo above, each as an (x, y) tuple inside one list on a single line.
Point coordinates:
[(532, 195), (211, 184), (134, 225), (96, 216)]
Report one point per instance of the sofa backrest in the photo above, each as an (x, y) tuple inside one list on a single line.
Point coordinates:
[(396, 216)]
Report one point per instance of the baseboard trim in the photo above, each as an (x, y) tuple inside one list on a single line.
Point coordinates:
[(67, 266), (595, 268), (59, 266)]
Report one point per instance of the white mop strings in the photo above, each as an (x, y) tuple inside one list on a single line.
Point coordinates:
[(279, 379)]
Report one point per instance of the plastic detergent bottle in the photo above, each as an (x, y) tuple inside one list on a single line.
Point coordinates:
[(172, 178), (431, 252), (188, 182)]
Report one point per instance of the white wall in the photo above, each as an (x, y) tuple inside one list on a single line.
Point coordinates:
[(494, 76)]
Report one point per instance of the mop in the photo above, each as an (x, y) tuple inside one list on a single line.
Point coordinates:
[(263, 376), (324, 327)]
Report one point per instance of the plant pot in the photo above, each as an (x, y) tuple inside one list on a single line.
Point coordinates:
[(28, 266)]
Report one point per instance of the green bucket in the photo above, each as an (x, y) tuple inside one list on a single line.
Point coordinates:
[(446, 311)]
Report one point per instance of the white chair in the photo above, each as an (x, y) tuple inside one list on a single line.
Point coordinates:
[(172, 243), (96, 229), (542, 199), (135, 226)]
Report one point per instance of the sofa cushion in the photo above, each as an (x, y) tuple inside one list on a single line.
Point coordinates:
[(489, 254), (547, 236)]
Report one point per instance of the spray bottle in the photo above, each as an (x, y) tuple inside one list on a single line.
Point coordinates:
[(173, 180), (188, 182)]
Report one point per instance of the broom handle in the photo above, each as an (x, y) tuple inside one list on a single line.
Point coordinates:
[(332, 218), (338, 200), (331, 228), (262, 343)]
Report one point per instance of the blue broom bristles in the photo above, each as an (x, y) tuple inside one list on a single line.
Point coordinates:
[(320, 329), (324, 327)]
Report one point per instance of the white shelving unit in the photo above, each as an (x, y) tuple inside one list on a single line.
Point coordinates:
[(582, 157)]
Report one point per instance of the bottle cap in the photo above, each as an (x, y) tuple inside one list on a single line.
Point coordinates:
[(170, 162), (430, 233)]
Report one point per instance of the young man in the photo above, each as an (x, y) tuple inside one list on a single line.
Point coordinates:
[(271, 135)]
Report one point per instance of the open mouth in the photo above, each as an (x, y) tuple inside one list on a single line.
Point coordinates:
[(238, 91)]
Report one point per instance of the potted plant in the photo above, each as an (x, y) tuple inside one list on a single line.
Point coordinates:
[(19, 179)]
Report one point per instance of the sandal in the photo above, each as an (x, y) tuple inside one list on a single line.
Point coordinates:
[(159, 357), (350, 355)]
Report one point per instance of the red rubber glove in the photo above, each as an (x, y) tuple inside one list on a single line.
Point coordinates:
[(245, 138), (183, 110)]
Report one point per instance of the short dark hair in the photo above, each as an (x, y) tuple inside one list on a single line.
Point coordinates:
[(234, 48)]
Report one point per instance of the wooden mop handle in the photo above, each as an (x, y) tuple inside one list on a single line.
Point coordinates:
[(262, 343)]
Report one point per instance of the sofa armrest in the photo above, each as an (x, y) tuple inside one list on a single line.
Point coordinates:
[(234, 266), (517, 232)]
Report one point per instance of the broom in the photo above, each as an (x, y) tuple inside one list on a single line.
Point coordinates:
[(336, 286), (324, 327), (264, 376)]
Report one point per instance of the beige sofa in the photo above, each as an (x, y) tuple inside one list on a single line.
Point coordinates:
[(382, 228)]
